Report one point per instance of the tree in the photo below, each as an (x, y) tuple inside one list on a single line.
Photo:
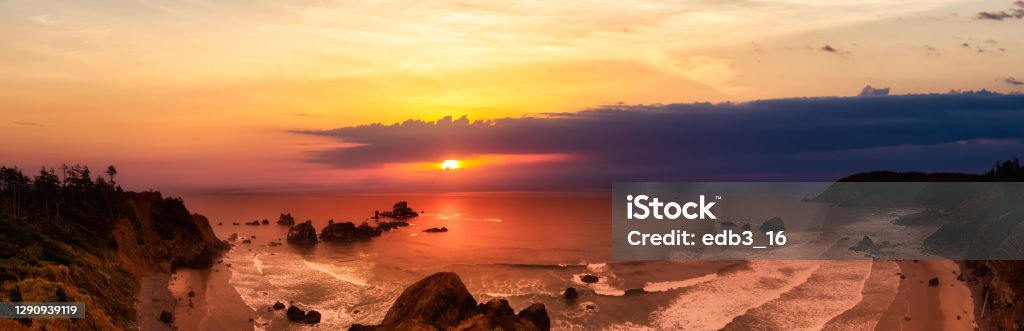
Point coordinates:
[(111, 172)]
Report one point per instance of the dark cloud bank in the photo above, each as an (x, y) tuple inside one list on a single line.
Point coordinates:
[(1015, 12), (784, 139)]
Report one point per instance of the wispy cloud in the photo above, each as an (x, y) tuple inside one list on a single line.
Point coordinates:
[(1015, 12), (1012, 81)]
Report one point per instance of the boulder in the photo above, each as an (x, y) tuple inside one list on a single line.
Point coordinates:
[(439, 301), (589, 279), (265, 221), (773, 224), (233, 237), (435, 230), (400, 210), (302, 234), (286, 219), (933, 282), (865, 244), (442, 302), (256, 222), (634, 291), (338, 232), (312, 317), (570, 293), (295, 314), (536, 314), (365, 231), (166, 317), (278, 305), (388, 226)]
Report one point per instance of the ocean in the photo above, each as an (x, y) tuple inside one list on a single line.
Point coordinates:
[(524, 247)]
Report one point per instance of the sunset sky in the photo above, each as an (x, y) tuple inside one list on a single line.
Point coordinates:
[(251, 96)]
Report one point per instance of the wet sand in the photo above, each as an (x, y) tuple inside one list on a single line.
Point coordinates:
[(154, 297), (919, 306), (212, 305)]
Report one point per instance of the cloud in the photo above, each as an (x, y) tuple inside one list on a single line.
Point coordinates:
[(783, 139), (1017, 12), (1012, 81), (868, 91)]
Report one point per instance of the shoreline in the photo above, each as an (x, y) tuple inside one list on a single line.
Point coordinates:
[(918, 306), (199, 299), (207, 301)]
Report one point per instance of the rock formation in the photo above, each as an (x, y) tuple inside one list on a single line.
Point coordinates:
[(286, 219), (302, 234), (400, 210), (435, 230), (442, 302), (773, 224)]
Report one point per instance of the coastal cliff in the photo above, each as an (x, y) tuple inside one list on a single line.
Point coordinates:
[(78, 238), (982, 219)]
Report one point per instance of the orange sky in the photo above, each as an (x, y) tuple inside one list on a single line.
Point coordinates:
[(202, 95)]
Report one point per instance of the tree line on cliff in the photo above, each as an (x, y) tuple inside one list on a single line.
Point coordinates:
[(73, 235)]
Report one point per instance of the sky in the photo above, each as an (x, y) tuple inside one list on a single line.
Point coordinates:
[(253, 96)]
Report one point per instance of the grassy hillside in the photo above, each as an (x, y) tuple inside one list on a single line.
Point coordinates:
[(73, 237)]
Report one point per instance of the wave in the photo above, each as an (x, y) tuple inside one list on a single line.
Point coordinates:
[(713, 304), (677, 284), (256, 262), (327, 269)]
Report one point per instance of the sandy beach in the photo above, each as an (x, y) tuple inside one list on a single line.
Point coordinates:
[(200, 299), (918, 306), (206, 301)]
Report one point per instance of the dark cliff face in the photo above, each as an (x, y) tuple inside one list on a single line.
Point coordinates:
[(164, 235), (90, 244), (1000, 292)]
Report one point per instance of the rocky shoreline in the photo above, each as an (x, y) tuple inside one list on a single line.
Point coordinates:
[(442, 302)]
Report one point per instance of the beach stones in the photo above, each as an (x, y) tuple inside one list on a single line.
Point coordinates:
[(436, 230), (295, 313), (536, 314), (166, 317), (312, 317), (571, 294), (278, 305), (589, 279)]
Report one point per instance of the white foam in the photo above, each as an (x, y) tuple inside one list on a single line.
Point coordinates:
[(256, 262), (597, 267), (671, 285), (713, 304), (835, 287), (329, 270)]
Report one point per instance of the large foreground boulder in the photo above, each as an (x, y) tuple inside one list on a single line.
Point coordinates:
[(302, 234), (442, 302)]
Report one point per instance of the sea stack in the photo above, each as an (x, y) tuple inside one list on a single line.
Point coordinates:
[(302, 234)]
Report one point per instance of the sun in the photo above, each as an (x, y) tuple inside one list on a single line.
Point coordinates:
[(449, 165)]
